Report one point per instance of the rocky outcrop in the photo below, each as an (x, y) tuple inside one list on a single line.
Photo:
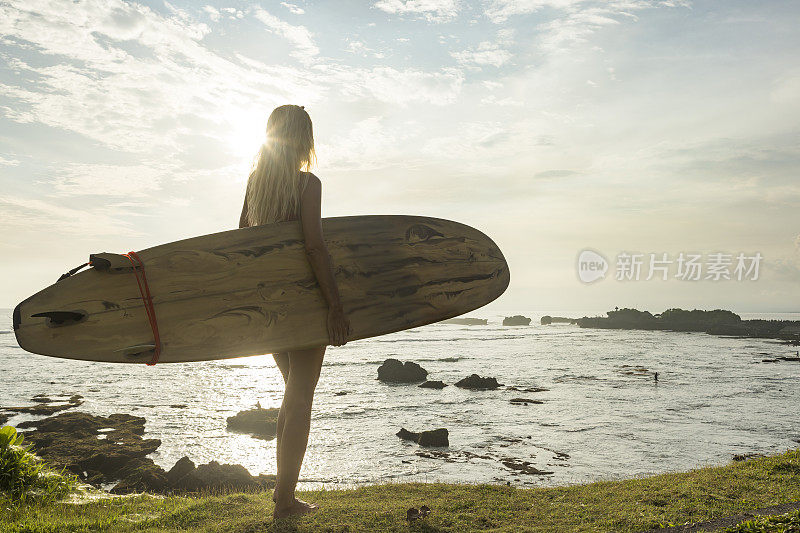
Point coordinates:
[(97, 449), (466, 321), (782, 358), (516, 320), (184, 476), (792, 332), (477, 382), (528, 389), (433, 385), (716, 322), (546, 320), (435, 437), (44, 405), (523, 467), (104, 450), (394, 371), (524, 401), (259, 422)]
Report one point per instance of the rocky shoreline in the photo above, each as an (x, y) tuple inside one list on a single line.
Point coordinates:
[(110, 452)]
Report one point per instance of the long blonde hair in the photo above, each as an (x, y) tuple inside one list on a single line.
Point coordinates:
[(276, 182)]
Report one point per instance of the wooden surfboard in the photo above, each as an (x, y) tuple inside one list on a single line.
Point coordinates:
[(251, 291)]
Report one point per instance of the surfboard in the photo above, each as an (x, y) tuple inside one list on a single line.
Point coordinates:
[(251, 291)]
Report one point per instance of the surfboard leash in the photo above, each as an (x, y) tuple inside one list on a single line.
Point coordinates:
[(147, 299)]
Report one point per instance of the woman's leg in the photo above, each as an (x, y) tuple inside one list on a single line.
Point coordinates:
[(282, 360), (304, 369)]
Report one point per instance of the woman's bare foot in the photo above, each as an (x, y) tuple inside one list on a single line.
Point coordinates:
[(295, 508)]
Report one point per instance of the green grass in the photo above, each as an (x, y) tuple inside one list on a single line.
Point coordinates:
[(23, 476), (784, 523), (628, 505)]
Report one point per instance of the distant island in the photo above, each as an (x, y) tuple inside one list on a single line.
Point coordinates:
[(546, 320), (466, 321), (516, 320), (716, 322)]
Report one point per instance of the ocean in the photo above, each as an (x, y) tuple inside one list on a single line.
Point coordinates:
[(603, 415)]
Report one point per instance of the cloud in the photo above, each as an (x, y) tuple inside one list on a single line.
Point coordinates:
[(20, 215), (293, 9), (573, 20), (396, 86), (8, 162), (430, 10), (213, 13), (109, 180), (302, 39), (485, 54), (368, 144)]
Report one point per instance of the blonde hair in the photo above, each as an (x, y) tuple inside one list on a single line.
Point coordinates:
[(276, 182)]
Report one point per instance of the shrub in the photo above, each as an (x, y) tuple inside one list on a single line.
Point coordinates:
[(24, 475)]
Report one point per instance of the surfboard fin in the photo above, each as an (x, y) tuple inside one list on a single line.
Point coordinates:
[(110, 262), (61, 318), (137, 350)]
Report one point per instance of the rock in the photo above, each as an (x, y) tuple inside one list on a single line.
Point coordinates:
[(524, 467), (524, 401), (181, 469), (48, 406), (259, 422), (528, 389), (394, 371), (467, 321), (433, 385), (3, 418), (103, 450), (215, 476), (516, 320), (791, 332), (476, 382), (746, 456), (106, 448), (340, 393), (266, 481), (140, 475), (435, 437), (546, 320), (41, 398)]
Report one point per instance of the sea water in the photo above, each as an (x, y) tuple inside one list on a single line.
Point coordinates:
[(603, 415)]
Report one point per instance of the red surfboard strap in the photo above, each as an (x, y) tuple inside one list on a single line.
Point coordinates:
[(144, 290)]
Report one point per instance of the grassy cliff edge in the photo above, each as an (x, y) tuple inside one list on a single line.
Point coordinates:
[(626, 505)]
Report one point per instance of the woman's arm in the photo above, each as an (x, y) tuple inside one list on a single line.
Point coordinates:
[(316, 250)]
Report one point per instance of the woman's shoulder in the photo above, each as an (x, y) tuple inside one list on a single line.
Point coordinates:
[(310, 176), (312, 180)]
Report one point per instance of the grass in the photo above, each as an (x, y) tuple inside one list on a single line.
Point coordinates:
[(784, 523), (23, 476), (627, 505)]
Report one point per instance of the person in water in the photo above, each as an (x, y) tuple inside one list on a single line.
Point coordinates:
[(281, 188)]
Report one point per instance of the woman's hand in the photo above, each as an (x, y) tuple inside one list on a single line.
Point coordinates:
[(338, 326)]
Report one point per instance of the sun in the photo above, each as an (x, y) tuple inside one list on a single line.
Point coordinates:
[(247, 134)]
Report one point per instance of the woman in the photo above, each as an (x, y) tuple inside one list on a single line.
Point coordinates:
[(280, 189)]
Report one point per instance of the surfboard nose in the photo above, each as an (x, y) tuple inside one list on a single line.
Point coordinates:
[(17, 316)]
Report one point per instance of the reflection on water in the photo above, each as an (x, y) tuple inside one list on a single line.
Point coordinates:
[(604, 415)]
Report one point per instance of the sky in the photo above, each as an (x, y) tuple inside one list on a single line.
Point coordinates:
[(553, 126)]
